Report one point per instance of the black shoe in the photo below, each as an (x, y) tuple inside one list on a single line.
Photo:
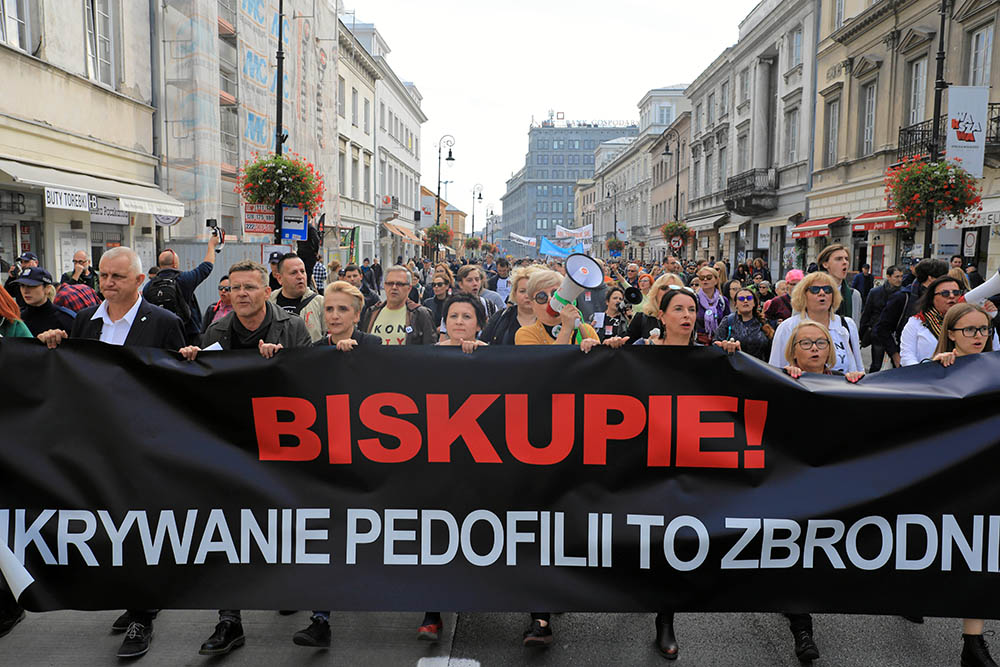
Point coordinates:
[(538, 635), (316, 635), (805, 647), (666, 641), (136, 642), (975, 652), (287, 612), (122, 622), (8, 622), (919, 620), (227, 636)]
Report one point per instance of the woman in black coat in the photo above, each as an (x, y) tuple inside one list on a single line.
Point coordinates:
[(501, 328)]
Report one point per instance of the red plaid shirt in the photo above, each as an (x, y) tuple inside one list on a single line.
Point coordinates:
[(76, 297)]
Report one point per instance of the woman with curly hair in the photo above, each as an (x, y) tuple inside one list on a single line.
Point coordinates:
[(747, 325)]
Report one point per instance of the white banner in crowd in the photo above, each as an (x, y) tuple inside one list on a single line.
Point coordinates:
[(524, 240), (966, 126), (585, 232)]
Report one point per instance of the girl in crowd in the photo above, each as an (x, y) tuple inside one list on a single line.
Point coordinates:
[(923, 331), (11, 325), (503, 326), (342, 304), (816, 298), (712, 305), (747, 325), (730, 288), (835, 260), (614, 323), (441, 286), (960, 278), (647, 318), (966, 330)]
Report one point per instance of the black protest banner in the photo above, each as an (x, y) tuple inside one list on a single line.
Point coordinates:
[(510, 479)]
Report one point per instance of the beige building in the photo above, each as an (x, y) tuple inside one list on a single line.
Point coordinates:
[(78, 159), (876, 68), (584, 202), (668, 196)]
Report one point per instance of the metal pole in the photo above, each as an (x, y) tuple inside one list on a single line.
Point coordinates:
[(677, 180), (939, 86), (437, 220), (278, 129)]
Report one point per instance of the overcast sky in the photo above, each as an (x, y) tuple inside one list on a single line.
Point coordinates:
[(485, 68)]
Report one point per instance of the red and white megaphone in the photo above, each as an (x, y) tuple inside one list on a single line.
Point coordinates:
[(582, 273), (988, 289)]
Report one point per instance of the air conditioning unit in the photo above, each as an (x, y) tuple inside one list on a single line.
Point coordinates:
[(416, 215)]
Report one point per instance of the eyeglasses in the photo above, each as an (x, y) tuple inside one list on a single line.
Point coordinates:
[(819, 344), (744, 298), (948, 293), (79, 261), (439, 284), (816, 289), (396, 283), (543, 297), (225, 289), (972, 332)]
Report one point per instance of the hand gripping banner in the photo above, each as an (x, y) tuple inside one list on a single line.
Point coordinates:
[(509, 479)]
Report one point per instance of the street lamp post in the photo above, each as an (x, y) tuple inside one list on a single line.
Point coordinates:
[(613, 192), (279, 134), (449, 141), (939, 86), (677, 171), (477, 191)]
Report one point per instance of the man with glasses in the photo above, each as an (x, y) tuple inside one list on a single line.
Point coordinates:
[(397, 320), (81, 273)]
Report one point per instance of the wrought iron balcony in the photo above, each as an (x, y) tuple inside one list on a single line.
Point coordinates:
[(752, 192), (915, 140)]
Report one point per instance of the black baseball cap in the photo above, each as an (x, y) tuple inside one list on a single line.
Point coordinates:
[(27, 257), (34, 276), (275, 257)]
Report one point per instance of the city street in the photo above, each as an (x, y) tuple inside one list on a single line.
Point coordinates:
[(716, 640)]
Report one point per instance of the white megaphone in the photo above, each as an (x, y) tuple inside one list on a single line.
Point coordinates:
[(582, 273), (990, 288)]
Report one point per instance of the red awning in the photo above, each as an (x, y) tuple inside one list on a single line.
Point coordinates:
[(818, 227), (877, 220)]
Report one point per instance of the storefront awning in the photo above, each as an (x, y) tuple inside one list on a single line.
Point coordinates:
[(705, 224), (818, 227), (876, 220), (409, 235), (131, 196), (773, 222), (731, 227)]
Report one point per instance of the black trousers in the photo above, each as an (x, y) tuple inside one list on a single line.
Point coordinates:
[(798, 622)]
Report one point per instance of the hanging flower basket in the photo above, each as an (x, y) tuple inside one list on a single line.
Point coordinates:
[(615, 245), (436, 235), (672, 229), (289, 179), (473, 243), (920, 191)]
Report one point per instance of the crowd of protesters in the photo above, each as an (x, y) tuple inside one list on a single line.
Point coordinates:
[(812, 322)]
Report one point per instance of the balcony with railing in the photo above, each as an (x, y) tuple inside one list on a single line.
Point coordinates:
[(915, 140), (227, 88), (227, 19), (753, 192)]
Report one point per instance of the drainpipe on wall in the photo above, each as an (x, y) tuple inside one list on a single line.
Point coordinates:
[(155, 76)]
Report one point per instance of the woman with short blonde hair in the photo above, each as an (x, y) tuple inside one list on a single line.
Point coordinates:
[(814, 278), (502, 328)]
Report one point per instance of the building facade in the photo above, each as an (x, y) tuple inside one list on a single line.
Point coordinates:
[(540, 195), (668, 191)]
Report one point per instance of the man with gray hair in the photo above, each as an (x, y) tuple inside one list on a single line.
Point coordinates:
[(397, 320), (125, 318)]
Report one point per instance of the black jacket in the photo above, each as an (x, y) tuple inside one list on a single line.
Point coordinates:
[(874, 305), (641, 325), (436, 306), (47, 316), (501, 328), (361, 337), (153, 327), (286, 329), (900, 307), (187, 282)]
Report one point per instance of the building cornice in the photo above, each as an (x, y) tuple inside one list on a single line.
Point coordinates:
[(390, 79), (861, 23)]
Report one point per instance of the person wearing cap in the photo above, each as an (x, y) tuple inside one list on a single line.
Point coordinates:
[(39, 313), (28, 260), (272, 281), (82, 273), (780, 307)]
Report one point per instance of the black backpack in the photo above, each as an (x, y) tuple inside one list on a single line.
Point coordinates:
[(163, 291)]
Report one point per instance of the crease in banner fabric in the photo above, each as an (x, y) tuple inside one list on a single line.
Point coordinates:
[(640, 479)]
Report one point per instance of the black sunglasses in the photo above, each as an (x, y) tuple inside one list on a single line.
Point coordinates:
[(948, 293), (542, 297), (816, 289)]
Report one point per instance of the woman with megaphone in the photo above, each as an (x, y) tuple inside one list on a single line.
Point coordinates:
[(558, 323)]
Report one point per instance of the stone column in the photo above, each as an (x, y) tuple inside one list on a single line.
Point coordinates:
[(761, 113)]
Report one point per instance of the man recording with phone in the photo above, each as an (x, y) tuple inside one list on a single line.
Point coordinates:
[(173, 289)]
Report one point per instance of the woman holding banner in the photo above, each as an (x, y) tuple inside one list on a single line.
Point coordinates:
[(922, 332), (811, 349), (464, 318), (647, 318), (967, 330), (747, 325)]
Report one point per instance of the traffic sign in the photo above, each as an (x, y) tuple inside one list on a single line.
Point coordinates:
[(293, 223), (676, 242)]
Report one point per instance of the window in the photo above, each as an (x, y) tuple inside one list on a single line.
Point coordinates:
[(868, 119), (918, 89), (341, 97), (558, 159), (724, 98), (838, 14), (354, 107), (721, 181), (99, 54), (381, 115), (355, 178), (741, 153), (368, 128), (981, 47), (831, 132), (368, 183), (557, 190), (695, 177), (542, 173), (666, 115), (711, 109), (14, 24), (342, 172), (697, 118), (541, 223), (381, 177), (795, 48), (745, 84), (557, 207), (708, 175), (791, 135)]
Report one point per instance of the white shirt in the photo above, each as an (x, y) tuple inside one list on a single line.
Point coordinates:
[(845, 341), (503, 287), (917, 343), (115, 332)]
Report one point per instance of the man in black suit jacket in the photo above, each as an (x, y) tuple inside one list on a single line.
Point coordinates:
[(125, 318)]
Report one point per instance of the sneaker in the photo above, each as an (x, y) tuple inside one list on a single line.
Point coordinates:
[(227, 636), (430, 632), (538, 635), (136, 642), (805, 647), (7, 623), (316, 635)]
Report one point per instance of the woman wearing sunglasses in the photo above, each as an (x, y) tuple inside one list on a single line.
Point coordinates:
[(923, 331), (713, 306), (503, 326), (647, 318), (747, 326), (967, 330), (441, 286), (816, 298)]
